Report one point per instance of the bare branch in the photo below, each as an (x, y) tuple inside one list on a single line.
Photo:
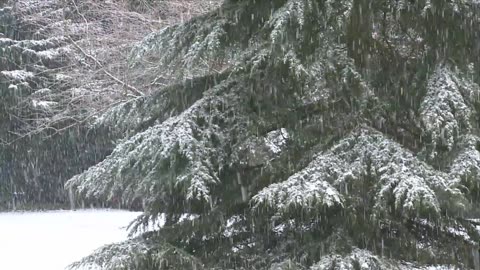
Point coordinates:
[(124, 84)]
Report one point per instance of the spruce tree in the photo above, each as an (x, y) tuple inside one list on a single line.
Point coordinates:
[(300, 134)]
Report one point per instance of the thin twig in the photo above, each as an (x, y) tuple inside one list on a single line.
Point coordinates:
[(113, 77)]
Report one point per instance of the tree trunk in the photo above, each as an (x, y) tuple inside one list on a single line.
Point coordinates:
[(71, 198), (476, 257)]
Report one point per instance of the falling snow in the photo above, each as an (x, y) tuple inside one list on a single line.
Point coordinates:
[(294, 134)]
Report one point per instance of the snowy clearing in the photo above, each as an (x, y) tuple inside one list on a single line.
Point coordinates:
[(52, 240)]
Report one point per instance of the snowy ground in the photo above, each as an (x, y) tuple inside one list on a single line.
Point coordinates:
[(52, 240)]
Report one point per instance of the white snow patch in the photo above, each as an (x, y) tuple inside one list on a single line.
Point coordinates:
[(17, 75), (460, 232), (42, 104), (52, 240), (276, 140)]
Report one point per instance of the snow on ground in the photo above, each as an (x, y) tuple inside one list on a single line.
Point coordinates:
[(52, 240)]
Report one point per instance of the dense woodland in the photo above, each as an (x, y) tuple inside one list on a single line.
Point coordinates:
[(253, 134)]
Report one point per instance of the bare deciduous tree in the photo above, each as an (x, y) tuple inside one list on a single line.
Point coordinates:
[(80, 51)]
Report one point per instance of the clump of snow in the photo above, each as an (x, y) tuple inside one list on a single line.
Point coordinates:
[(460, 232), (6, 42), (276, 140), (43, 104), (62, 77), (53, 53), (230, 228), (17, 75), (42, 92), (43, 44)]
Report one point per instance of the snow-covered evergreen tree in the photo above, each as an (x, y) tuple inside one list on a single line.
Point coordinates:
[(299, 134)]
